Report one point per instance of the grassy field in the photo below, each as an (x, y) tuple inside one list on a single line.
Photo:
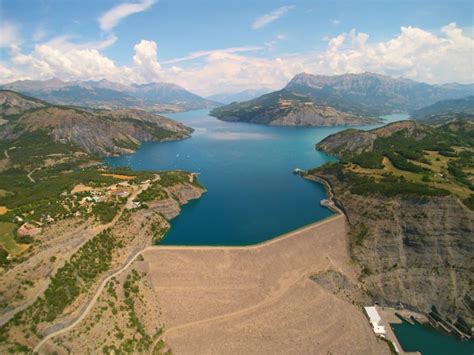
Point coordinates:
[(7, 239), (436, 169), (4, 193), (388, 168)]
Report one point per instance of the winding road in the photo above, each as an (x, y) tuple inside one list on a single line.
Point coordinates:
[(89, 306), (274, 297)]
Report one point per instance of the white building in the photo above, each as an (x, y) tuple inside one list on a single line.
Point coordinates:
[(375, 320)]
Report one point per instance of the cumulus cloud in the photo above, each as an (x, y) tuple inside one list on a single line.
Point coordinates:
[(265, 19), (434, 57), (112, 17), (146, 59), (62, 59), (414, 53), (9, 35)]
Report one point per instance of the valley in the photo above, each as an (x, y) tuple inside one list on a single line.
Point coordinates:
[(78, 237), (250, 177)]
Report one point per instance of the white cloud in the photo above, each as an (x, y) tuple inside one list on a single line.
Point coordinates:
[(9, 35), (145, 59), (59, 58), (112, 17), (434, 57), (414, 53), (200, 54), (336, 22), (264, 20), (64, 42)]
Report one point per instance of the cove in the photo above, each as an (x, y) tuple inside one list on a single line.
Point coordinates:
[(247, 169)]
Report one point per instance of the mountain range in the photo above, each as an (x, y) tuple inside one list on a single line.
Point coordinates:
[(245, 95), (446, 110), (38, 125), (105, 94), (347, 96)]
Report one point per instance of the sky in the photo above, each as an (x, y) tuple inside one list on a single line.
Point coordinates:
[(223, 46)]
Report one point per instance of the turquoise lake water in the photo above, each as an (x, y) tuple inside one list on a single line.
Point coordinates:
[(247, 169), (429, 341), (253, 194)]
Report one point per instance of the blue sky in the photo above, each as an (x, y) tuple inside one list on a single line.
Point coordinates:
[(235, 44)]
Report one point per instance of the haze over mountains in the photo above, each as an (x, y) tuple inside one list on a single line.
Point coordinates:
[(307, 100), (347, 96), (104, 94), (245, 95), (446, 110)]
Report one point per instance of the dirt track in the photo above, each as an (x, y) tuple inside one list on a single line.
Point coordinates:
[(259, 299)]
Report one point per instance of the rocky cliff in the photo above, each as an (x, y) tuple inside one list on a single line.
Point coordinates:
[(407, 190), (414, 250), (178, 195), (354, 141), (12, 103)]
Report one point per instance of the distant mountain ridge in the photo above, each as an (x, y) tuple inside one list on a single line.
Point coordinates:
[(245, 95), (374, 94), (105, 94), (446, 110), (347, 97), (284, 108)]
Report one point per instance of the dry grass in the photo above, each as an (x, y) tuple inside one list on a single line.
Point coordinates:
[(80, 188), (4, 193), (120, 177), (410, 176), (438, 165)]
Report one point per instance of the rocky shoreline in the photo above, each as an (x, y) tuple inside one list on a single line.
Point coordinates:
[(403, 248)]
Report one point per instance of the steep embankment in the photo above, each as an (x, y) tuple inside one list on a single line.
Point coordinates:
[(407, 189), (102, 133)]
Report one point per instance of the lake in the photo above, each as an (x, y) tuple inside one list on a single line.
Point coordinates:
[(247, 169), (253, 194)]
